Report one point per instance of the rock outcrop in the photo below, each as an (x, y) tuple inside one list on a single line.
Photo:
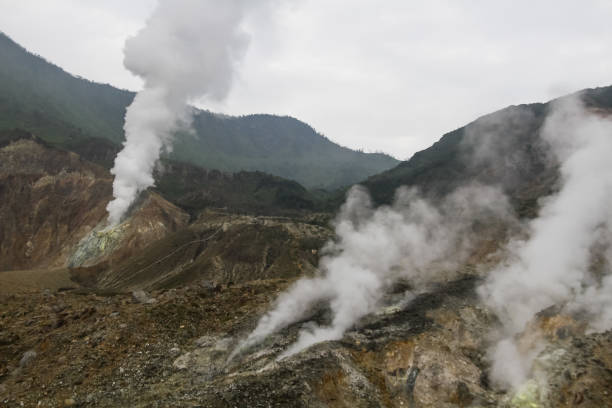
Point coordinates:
[(53, 209), (36, 182)]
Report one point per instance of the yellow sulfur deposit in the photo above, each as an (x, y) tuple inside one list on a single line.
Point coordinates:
[(96, 244), (528, 396)]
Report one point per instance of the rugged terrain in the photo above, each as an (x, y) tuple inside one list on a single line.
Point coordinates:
[(148, 313), (171, 348), (35, 182), (151, 312), (50, 199)]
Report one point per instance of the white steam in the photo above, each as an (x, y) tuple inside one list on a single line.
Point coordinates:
[(187, 50), (563, 259), (413, 239), (554, 265)]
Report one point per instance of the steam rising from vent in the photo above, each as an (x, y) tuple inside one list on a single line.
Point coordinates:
[(377, 247), (562, 259), (566, 259), (187, 50)]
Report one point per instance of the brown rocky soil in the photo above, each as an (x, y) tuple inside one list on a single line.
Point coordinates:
[(222, 249), (171, 347), (147, 314)]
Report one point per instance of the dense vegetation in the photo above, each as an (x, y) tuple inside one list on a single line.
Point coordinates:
[(69, 111), (193, 188)]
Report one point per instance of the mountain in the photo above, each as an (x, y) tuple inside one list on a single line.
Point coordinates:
[(151, 312), (65, 110), (502, 148), (51, 198), (154, 311)]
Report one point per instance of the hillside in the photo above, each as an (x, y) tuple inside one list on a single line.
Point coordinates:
[(51, 198), (158, 310), (65, 110), (502, 148), (153, 312)]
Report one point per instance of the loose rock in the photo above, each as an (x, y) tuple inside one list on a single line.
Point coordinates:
[(141, 297), (27, 357), (182, 362)]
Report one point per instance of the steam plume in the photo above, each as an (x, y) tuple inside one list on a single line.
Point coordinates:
[(374, 249), (419, 241), (553, 266), (188, 49)]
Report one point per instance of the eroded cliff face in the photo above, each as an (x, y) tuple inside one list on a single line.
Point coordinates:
[(52, 211), (49, 199), (53, 217)]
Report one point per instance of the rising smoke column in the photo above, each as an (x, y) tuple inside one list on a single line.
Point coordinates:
[(187, 50), (414, 239), (552, 266)]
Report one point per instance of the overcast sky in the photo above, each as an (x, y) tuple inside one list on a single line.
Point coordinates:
[(388, 76)]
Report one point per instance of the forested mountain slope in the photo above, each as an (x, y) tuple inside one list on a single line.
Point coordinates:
[(64, 110)]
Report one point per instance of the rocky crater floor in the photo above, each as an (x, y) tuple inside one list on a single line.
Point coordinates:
[(171, 347), (150, 313)]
